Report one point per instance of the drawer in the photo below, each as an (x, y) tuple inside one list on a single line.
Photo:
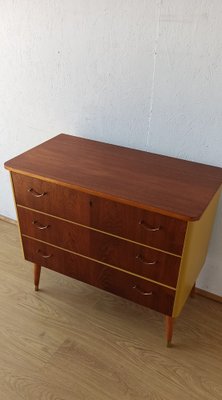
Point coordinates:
[(122, 284), (143, 261), (51, 198), (153, 229), (142, 226)]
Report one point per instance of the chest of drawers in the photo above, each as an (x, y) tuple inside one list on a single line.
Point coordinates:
[(133, 223)]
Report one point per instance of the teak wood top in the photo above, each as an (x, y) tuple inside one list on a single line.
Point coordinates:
[(167, 185)]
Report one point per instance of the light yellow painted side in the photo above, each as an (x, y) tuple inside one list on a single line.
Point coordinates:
[(194, 253)]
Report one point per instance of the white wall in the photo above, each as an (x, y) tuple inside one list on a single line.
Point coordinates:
[(141, 73)]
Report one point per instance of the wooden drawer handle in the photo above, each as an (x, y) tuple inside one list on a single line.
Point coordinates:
[(38, 225), (141, 292), (36, 194), (142, 259), (43, 255), (148, 227)]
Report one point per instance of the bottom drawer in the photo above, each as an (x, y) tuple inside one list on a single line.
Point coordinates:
[(120, 283)]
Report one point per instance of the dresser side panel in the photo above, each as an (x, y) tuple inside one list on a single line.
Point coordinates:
[(194, 253), (14, 199)]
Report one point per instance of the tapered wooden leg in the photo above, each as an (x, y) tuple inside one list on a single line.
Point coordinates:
[(37, 271), (169, 330), (192, 293)]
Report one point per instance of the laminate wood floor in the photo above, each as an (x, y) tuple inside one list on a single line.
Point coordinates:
[(70, 341)]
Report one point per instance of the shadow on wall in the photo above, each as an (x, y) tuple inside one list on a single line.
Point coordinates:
[(116, 121)]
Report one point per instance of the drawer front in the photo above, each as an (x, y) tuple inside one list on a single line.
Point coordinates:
[(51, 198), (138, 225), (143, 261), (122, 284)]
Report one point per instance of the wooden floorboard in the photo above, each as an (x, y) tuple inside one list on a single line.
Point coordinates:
[(70, 341)]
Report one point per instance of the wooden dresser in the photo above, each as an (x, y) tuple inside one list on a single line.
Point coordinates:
[(130, 222)]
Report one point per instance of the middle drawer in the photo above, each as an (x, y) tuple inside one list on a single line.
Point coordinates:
[(143, 261)]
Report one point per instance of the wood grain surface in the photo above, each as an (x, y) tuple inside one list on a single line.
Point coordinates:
[(126, 255), (162, 184), (72, 341), (132, 287), (109, 216)]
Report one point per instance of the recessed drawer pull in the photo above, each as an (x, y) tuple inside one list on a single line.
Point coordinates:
[(148, 227), (141, 292), (38, 225), (43, 255), (36, 194), (140, 258)]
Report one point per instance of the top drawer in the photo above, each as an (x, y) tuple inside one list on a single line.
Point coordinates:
[(129, 222)]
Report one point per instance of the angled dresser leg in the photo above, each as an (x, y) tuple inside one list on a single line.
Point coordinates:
[(192, 293), (37, 271), (169, 330)]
